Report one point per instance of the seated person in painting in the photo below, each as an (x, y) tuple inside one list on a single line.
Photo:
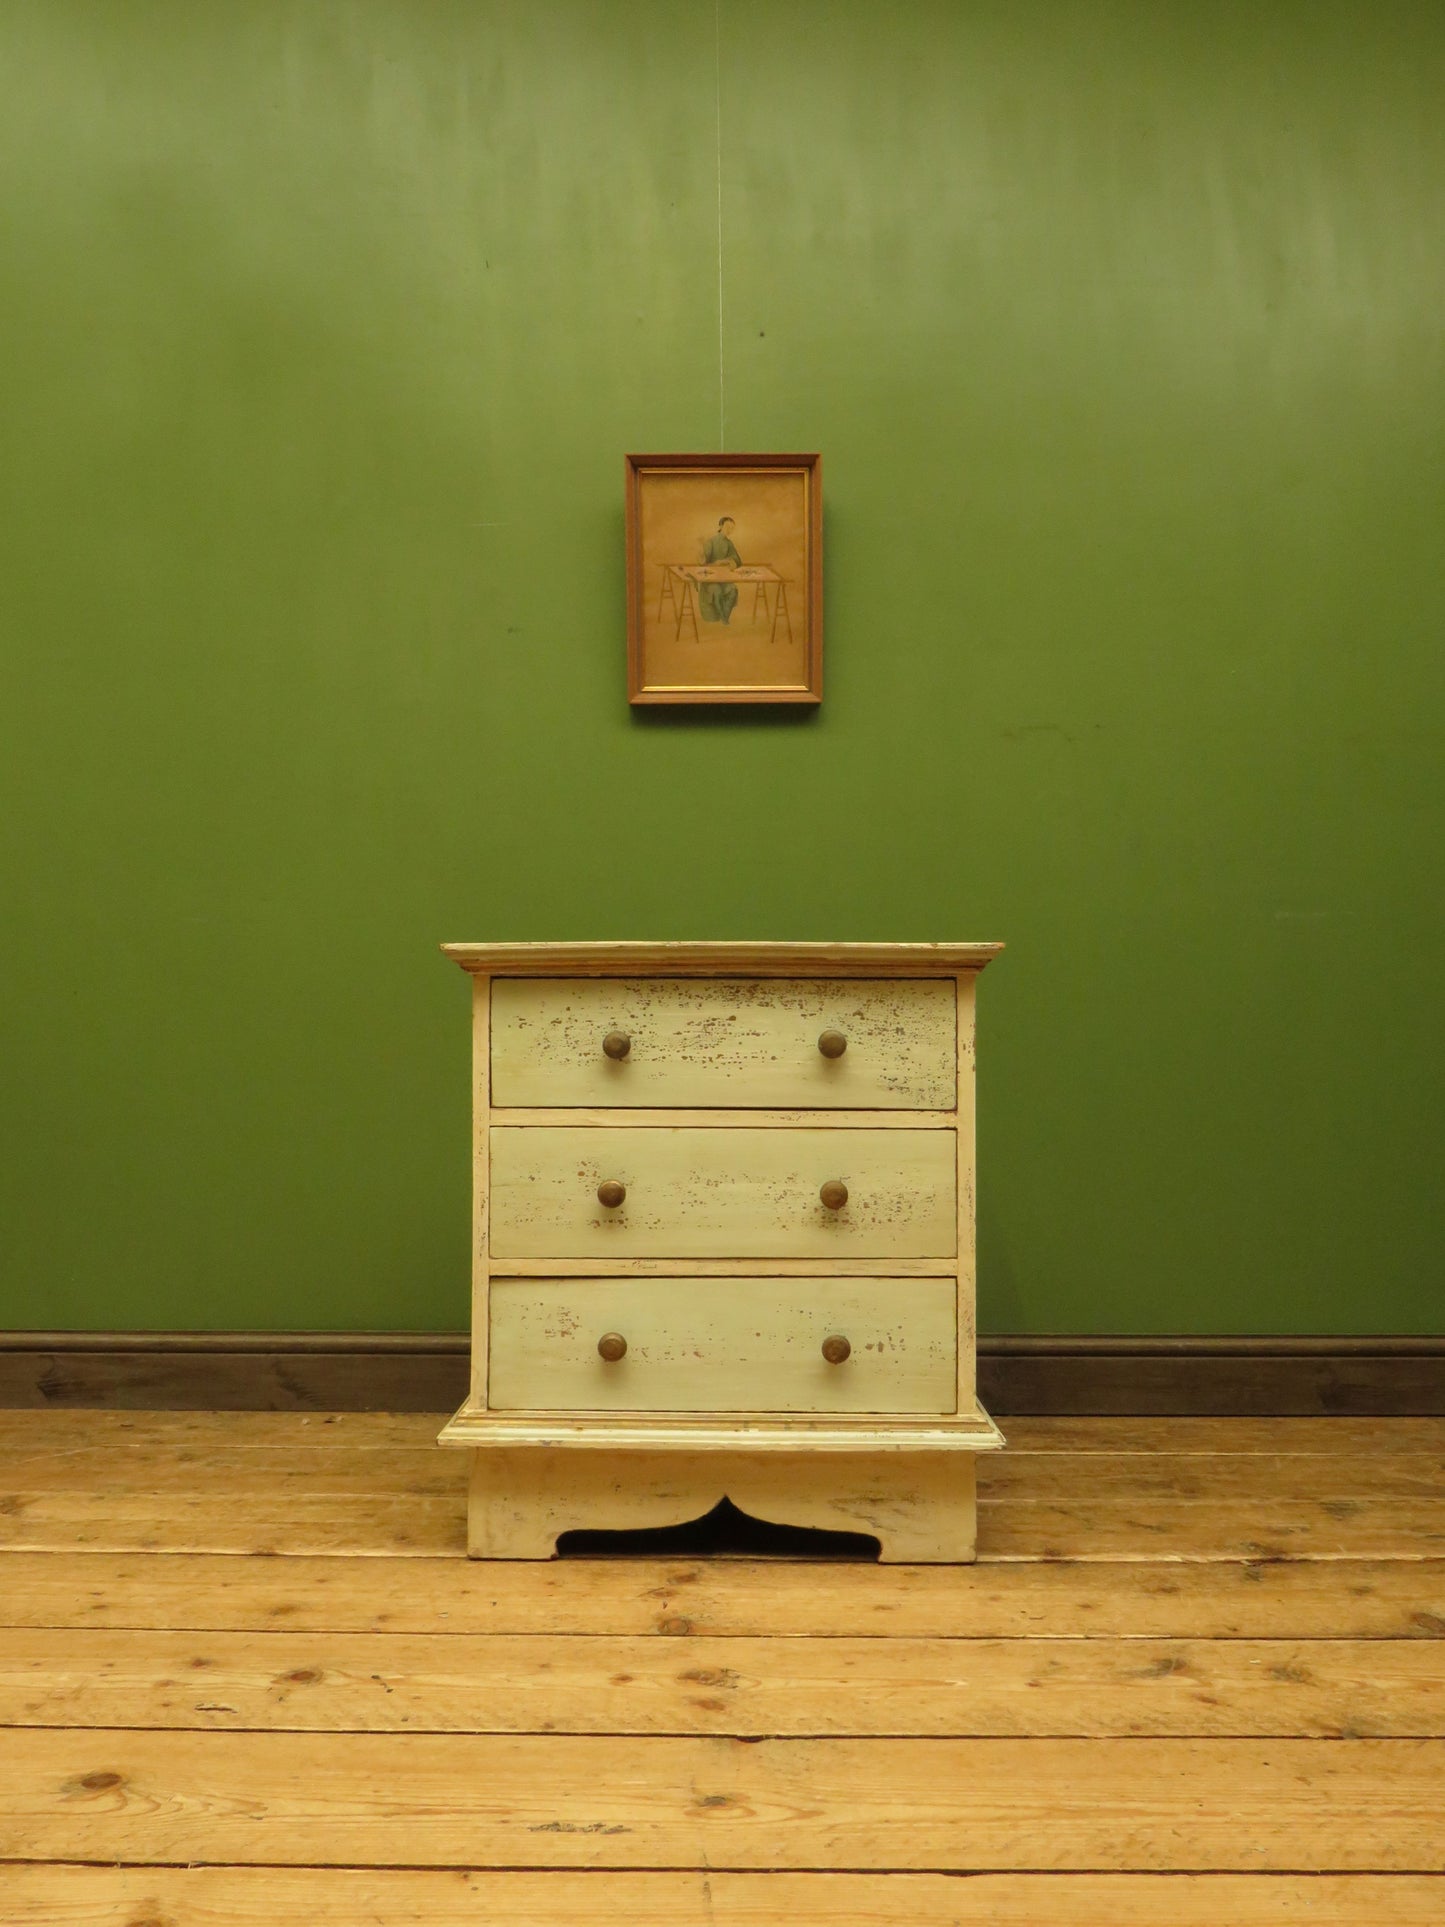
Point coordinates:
[(719, 599)]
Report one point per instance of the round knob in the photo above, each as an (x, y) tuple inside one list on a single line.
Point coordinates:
[(611, 1193), (616, 1044), (612, 1346), (834, 1194), (832, 1043), (836, 1348)]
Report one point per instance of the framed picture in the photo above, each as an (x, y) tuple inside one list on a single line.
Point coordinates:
[(724, 578)]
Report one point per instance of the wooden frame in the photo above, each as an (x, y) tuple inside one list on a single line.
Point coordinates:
[(683, 600)]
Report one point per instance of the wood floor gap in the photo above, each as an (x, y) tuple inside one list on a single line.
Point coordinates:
[(1409, 1639), (703, 1867)]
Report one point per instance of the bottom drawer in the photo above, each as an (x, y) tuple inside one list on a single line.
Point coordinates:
[(723, 1345)]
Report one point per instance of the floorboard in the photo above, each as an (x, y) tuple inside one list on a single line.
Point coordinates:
[(63, 1428), (724, 1598), (464, 1800), (57, 1896), (1194, 1681), (804, 1688), (391, 1501)]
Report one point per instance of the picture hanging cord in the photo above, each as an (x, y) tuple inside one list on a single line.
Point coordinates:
[(717, 74)]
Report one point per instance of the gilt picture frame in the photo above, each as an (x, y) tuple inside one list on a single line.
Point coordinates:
[(724, 578)]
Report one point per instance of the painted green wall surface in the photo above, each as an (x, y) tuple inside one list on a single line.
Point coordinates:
[(325, 326)]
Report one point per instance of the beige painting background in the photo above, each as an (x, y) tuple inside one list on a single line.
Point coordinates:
[(678, 511)]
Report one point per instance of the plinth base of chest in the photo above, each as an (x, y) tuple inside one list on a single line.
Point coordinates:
[(918, 1504)]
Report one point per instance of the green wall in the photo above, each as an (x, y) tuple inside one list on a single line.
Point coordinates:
[(323, 329)]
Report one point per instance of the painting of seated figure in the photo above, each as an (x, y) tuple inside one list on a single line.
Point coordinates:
[(724, 578)]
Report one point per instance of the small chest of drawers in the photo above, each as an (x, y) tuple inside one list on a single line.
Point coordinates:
[(723, 1240)]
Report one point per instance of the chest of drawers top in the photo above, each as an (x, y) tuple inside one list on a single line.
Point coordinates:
[(720, 959)]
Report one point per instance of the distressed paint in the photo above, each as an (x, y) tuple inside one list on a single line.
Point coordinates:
[(882, 1434), (721, 1127), (920, 1506), (743, 1043), (966, 1247), (669, 958), (722, 1193), (481, 1112), (723, 1344)]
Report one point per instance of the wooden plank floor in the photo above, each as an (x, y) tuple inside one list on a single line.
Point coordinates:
[(248, 1676)]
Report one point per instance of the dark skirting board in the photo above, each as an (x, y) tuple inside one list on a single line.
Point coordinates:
[(427, 1372)]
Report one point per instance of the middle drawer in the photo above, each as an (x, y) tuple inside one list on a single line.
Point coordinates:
[(730, 1192)]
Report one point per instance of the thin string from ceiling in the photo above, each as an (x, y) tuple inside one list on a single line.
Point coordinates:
[(721, 385)]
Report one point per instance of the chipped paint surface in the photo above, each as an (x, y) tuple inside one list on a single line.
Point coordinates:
[(749, 1043), (722, 1193), (719, 1344), (715, 1125), (920, 1504)]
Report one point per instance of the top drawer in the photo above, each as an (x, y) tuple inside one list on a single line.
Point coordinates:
[(724, 1043)]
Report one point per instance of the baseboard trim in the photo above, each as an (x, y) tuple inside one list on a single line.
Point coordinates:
[(1180, 1376), (1274, 1377)]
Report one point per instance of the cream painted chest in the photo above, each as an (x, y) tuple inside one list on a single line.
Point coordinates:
[(723, 1240)]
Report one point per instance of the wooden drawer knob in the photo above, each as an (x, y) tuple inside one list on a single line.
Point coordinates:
[(836, 1348), (611, 1192), (612, 1346), (832, 1043), (616, 1044), (834, 1194)]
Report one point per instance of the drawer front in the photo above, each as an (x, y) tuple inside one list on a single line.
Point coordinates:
[(734, 1192), (733, 1044), (723, 1345)]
